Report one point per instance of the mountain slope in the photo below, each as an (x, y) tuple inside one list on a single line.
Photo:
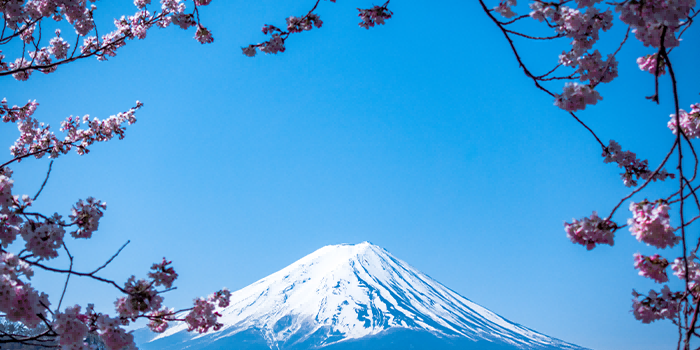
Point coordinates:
[(355, 297)]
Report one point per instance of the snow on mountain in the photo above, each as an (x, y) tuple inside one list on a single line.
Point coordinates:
[(349, 292)]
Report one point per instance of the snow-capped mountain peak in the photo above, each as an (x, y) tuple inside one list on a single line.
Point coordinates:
[(345, 292)]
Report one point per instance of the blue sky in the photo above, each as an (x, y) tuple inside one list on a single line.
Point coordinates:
[(421, 136)]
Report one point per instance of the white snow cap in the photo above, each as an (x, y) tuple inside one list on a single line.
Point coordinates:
[(358, 290)]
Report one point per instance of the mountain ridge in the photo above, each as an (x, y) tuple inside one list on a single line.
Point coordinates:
[(350, 293)]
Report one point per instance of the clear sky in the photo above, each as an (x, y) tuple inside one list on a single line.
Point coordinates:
[(421, 136)]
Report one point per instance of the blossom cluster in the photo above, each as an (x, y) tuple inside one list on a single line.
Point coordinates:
[(678, 268), (38, 140), (635, 169), (19, 301), (163, 275), (374, 16), (653, 267), (583, 27), (648, 63), (690, 121), (576, 97), (278, 36), (591, 231), (370, 17), (298, 25), (43, 237), (593, 68), (141, 298), (656, 306), (86, 215), (504, 8), (71, 327), (159, 319), (651, 224), (651, 18), (80, 18)]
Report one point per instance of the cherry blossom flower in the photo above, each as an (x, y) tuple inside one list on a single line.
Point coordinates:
[(651, 224), (690, 122), (504, 8), (592, 68), (648, 63), (203, 35), (142, 298), (71, 327), (159, 321), (576, 97), (163, 275), (274, 45), (87, 216), (202, 317), (141, 3), (11, 265), (374, 16), (113, 335), (591, 231), (653, 267), (20, 302), (43, 238), (249, 50), (634, 168), (656, 306), (678, 267), (223, 297)]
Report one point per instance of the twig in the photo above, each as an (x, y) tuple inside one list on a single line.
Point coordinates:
[(44, 183)]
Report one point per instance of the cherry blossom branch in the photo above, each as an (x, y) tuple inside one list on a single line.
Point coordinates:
[(110, 259), (70, 268), (527, 72), (607, 65), (514, 20), (81, 274), (44, 183), (655, 97), (43, 150), (668, 155)]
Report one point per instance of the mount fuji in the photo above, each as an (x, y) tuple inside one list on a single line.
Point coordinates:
[(348, 297)]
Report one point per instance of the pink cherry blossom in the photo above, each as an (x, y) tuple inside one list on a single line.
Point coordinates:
[(14, 267), (678, 268), (141, 3), (591, 231), (114, 336), (374, 16), (648, 63), (576, 97), (43, 238), (274, 45), (593, 68), (71, 327), (249, 50), (163, 275), (159, 321), (651, 224), (203, 317), (223, 297), (20, 302), (690, 122), (142, 298), (635, 169), (86, 215), (656, 306), (203, 35), (504, 8), (653, 267)]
